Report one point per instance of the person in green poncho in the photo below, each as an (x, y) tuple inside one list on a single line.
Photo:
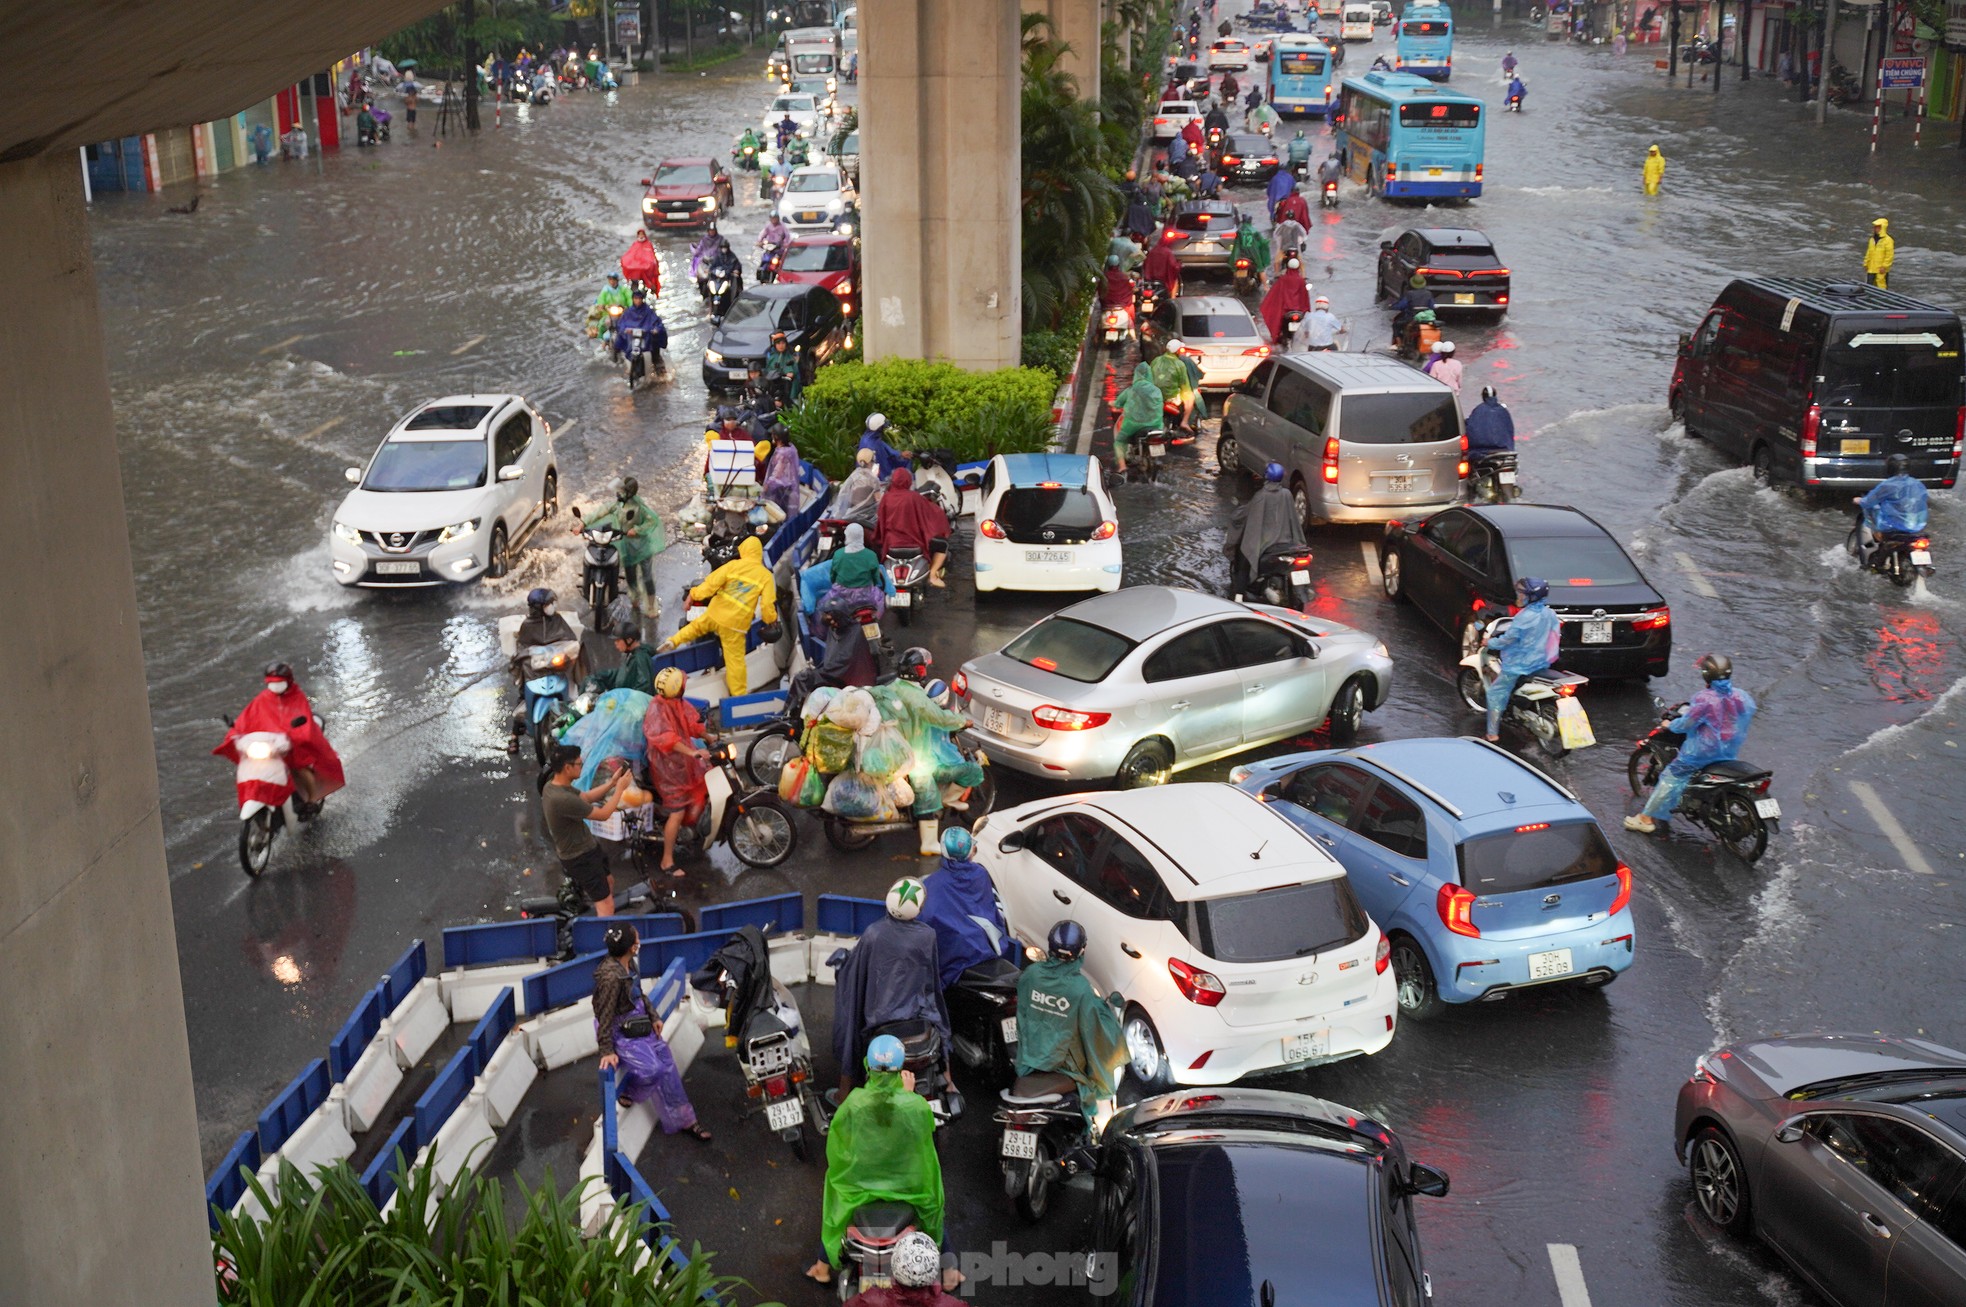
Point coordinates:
[(614, 295), (1064, 1026), (880, 1148), (1139, 407), (641, 540), (1176, 383), (1251, 244), (637, 670)]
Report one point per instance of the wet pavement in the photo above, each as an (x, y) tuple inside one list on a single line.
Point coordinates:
[(263, 343)]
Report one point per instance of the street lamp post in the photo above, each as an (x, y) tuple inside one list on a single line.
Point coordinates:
[(1672, 39)]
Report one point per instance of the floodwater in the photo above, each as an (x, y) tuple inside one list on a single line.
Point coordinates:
[(267, 341)]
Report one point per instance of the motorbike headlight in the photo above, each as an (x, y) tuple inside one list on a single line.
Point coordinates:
[(845, 287), (259, 750), (711, 356), (458, 532), (846, 229), (348, 533)]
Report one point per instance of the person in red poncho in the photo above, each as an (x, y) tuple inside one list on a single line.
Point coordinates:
[(639, 264), (907, 520), (282, 709), (672, 727), (1293, 205), (1289, 292), (1162, 266)]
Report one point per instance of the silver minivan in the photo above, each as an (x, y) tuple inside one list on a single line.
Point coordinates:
[(1362, 437)]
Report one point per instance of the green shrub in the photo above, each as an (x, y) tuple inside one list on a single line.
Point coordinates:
[(934, 404), (1054, 351)]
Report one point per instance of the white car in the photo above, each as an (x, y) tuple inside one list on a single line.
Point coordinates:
[(1235, 940), (1172, 115), (803, 110), (450, 494), (1045, 522), (815, 196), (1228, 53)]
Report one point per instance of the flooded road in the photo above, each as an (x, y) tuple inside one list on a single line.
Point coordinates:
[(267, 341)]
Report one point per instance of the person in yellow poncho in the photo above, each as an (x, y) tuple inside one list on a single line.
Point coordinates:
[(735, 591), (1655, 168), (1879, 253)]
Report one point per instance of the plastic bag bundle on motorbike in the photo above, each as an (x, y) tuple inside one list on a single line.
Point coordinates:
[(885, 754), (829, 747), (611, 729), (929, 729), (855, 710), (858, 797)]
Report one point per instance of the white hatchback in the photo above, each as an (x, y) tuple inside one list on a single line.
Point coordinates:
[(804, 111), (450, 494), (1045, 522), (1235, 940)]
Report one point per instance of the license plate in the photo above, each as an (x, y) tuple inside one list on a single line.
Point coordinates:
[(1556, 962), (1020, 1143), (1464, 297), (1010, 1030), (1921, 558), (1399, 483), (1157, 450), (1047, 555), (902, 599), (398, 569), (997, 722), (1856, 446), (738, 374), (1506, 478), (1300, 576), (1433, 172), (1204, 247), (1312, 1043), (1597, 632), (1767, 809), (784, 1115)]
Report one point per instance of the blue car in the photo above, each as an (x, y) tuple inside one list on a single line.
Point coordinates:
[(1486, 875)]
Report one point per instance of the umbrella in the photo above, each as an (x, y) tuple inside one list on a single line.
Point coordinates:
[(406, 63)]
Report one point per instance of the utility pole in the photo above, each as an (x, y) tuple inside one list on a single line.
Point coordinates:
[(1822, 82), (1672, 40), (1719, 41), (468, 15)]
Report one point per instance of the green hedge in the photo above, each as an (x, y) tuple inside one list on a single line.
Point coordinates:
[(1054, 351), (934, 405)]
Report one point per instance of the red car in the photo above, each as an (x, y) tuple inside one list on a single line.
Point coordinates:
[(825, 259), (687, 192)]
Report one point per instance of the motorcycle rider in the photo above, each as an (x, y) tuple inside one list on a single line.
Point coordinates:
[(893, 974), (1298, 152), (281, 708), (641, 540), (1170, 370), (1517, 90), (859, 500), (1160, 265), (1293, 208), (1063, 1025), (886, 457), (613, 295), (1897, 505), (1528, 646), (1444, 367), (636, 671), (655, 337), (735, 591), (1215, 120), (787, 129), (1263, 117), (1282, 182), (1289, 293), (1138, 410), (797, 152), (640, 265), (917, 1266), (749, 147), (1230, 88), (1330, 171), (1250, 244), (672, 726), (1124, 248), (1321, 327), (1713, 726), (1115, 287), (962, 907), (1268, 520), (782, 372), (1490, 428), (1416, 298), (1289, 237), (725, 266), (907, 519), (543, 625), (700, 255)]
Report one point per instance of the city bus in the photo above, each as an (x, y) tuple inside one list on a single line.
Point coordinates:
[(1408, 138), (1300, 75), (1423, 41)]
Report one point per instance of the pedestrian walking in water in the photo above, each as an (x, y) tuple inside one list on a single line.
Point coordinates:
[(1879, 253), (1655, 168)]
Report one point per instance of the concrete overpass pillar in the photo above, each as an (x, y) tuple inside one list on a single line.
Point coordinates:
[(939, 159), (101, 1194), (1076, 23)]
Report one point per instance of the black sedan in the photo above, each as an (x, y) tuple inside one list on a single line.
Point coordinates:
[(1460, 266), (810, 316), (1459, 568), (1251, 1195), (1846, 1153), (1248, 158), (1201, 234)]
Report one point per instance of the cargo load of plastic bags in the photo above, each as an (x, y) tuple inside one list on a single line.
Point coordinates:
[(613, 729)]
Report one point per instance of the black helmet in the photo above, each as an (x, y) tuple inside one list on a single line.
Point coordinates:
[(281, 671), (1488, 392), (538, 597), (1532, 589), (1066, 941), (1896, 465), (1716, 667), (630, 488), (915, 663)]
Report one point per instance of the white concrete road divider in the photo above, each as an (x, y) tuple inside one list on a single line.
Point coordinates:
[(561, 1037), (418, 1022), (321, 1140), (506, 1079), (371, 1082), (469, 992), (465, 1136)]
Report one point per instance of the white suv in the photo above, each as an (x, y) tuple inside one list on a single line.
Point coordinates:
[(450, 494)]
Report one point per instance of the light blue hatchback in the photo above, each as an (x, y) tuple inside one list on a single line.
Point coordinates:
[(1486, 875)]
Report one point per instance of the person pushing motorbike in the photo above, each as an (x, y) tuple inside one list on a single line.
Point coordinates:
[(1528, 646), (1714, 726)]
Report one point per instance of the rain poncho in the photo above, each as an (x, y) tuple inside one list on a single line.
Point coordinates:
[(639, 317), (1530, 643), (962, 906), (670, 726), (1298, 151), (1171, 377), (1269, 518), (1290, 292), (1490, 428), (887, 459), (1897, 504), (845, 658), (640, 263), (1251, 244), (703, 251), (1140, 403), (928, 727), (1282, 183), (1160, 265), (880, 1148), (1880, 252), (1294, 206), (615, 294), (859, 497), (906, 518), (637, 672), (892, 974), (1715, 725), (1264, 118), (1655, 169), (1073, 1031), (306, 745), (853, 564), (782, 478), (736, 590), (612, 730)]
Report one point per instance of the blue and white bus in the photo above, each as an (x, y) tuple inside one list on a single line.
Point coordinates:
[(1300, 75), (1409, 138), (1423, 41)]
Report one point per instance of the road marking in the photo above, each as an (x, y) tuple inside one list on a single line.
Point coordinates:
[(1893, 831), (324, 428), (565, 427), (475, 340), (1371, 552), (1696, 578), (274, 349), (1569, 1275)]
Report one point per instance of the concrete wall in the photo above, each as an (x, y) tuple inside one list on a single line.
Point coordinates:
[(99, 1169), (1077, 24)]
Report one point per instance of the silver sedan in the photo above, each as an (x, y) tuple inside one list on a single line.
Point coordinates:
[(1149, 680)]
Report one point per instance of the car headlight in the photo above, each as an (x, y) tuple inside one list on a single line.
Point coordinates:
[(710, 202), (1381, 650), (648, 206), (348, 533), (711, 356), (844, 288), (458, 532)]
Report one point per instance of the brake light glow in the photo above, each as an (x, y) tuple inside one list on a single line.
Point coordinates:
[(1054, 718), (1302, 560), (960, 685), (1050, 485), (1464, 442), (1231, 159), (1812, 422), (1461, 469), (1382, 957), (989, 529), (1169, 236), (1270, 162), (1106, 530), (1624, 890), (1959, 433), (1440, 272), (1478, 172), (1257, 351), (1196, 985), (1502, 298), (1044, 664), (1331, 459), (1456, 907), (1532, 826), (1566, 691), (1653, 620), (1921, 543)]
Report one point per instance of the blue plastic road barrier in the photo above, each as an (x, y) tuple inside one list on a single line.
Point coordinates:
[(691, 950), (841, 915), (446, 1092), (610, 1121), (226, 1185), (590, 933), (558, 986), (399, 980), (638, 1190), (295, 1104), (398, 1151), (744, 711), (668, 990), (354, 1036), (779, 912), (492, 1028), (500, 941)]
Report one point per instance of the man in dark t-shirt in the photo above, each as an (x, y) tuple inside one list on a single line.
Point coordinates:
[(567, 812)]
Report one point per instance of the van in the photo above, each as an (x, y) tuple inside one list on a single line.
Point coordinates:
[(1356, 23), (811, 52), (1362, 437), (1817, 382)]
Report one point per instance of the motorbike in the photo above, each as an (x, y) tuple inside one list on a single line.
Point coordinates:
[(983, 1019), (867, 1248), (1045, 1139), (1244, 272), (761, 1021), (1540, 703), (1492, 479), (1328, 195), (746, 158), (546, 673), (608, 350), (757, 824), (1115, 326), (1513, 104), (643, 358), (721, 292), (1283, 577), (849, 835), (1417, 339), (1905, 557), (769, 260), (1293, 324), (909, 568), (935, 480), (1147, 296), (265, 787), (1728, 798), (600, 570), (1215, 135), (1151, 453)]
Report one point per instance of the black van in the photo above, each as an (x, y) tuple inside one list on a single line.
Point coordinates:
[(1818, 382)]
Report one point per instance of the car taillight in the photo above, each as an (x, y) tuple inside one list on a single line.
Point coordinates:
[(1959, 433), (960, 685), (1169, 236), (1231, 159), (989, 529), (1257, 351), (1456, 908), (1269, 163), (1502, 298), (1464, 442), (1382, 957), (1461, 469), (1812, 422), (1106, 530), (1331, 459), (1653, 620), (1196, 985), (1054, 718), (1624, 890), (1478, 172)]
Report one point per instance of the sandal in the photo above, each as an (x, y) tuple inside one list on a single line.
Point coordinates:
[(821, 1275), (624, 1102), (674, 871), (699, 1132)]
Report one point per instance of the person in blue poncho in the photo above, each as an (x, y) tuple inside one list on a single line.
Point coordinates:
[(1528, 645), (1715, 726), (962, 906), (886, 456), (1897, 505)]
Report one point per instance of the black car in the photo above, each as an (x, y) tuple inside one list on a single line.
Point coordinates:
[(1459, 568), (810, 317), (1247, 157), (1252, 1196), (1460, 265)]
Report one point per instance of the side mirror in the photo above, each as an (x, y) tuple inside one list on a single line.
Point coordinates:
[(1428, 1180), (1012, 842), (575, 510), (1385, 245), (511, 472), (1790, 1131), (1685, 341), (646, 182), (353, 475), (1310, 650)]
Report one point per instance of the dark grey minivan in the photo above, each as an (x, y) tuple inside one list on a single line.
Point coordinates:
[(1817, 382)]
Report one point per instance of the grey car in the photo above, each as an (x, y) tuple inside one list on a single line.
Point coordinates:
[(1201, 235), (1845, 1153), (1146, 681), (1217, 331)]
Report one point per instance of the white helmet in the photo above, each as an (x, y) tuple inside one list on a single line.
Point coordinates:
[(904, 899), (1445, 347), (916, 1260), (876, 421)]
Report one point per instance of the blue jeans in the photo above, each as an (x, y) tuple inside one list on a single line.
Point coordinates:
[(1672, 784), (1499, 691)]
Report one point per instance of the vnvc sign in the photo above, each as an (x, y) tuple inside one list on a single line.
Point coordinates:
[(1901, 74)]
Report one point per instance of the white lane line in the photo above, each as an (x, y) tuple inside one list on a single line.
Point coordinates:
[(1083, 446), (475, 340), (1695, 577), (324, 428), (1893, 830), (565, 427), (279, 345), (1569, 1275), (1371, 552)]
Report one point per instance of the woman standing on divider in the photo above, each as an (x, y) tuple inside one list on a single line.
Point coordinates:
[(631, 1038)]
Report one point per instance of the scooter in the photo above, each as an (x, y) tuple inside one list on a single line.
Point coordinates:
[(1152, 454), (545, 673), (1513, 104), (1293, 323), (722, 293), (746, 158), (867, 1247), (1728, 798), (1904, 557), (1328, 195), (757, 824), (983, 1019), (935, 480), (1492, 480), (768, 264), (600, 570), (1147, 296), (1045, 1139), (644, 356), (608, 350), (761, 1021), (1244, 272), (922, 1056), (909, 568), (1115, 327), (848, 835), (265, 787), (1539, 705), (1283, 578)]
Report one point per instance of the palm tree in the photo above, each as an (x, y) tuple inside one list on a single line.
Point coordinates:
[(1069, 204)]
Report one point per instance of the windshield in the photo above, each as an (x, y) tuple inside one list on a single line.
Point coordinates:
[(811, 63), (1532, 857), (851, 145), (807, 183), (1415, 418), (1076, 650), (682, 174), (1216, 326), (1881, 364), (1178, 108), (411, 465), (754, 309), (1295, 921), (1463, 256), (1254, 146), (448, 417), (1439, 115), (817, 258), (1575, 561), (792, 104)]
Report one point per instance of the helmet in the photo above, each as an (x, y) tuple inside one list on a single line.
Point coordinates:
[(1715, 667), (915, 663), (938, 690), (630, 487), (1274, 472), (669, 682), (876, 421), (278, 672), (1896, 465), (916, 1260), (1532, 589), (1112, 260), (1418, 282), (1322, 301), (884, 1053), (1487, 392), (904, 899), (1292, 262), (1066, 941), (957, 843), (538, 597), (1445, 347)]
